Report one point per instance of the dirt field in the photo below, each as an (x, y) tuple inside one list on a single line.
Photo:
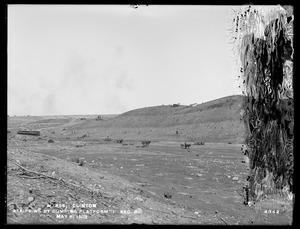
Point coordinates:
[(125, 183), (159, 184)]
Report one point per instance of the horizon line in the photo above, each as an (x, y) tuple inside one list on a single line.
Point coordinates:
[(122, 112)]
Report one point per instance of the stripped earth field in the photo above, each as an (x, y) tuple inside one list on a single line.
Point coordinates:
[(202, 185), (125, 183)]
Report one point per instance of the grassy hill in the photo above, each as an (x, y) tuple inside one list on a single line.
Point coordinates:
[(214, 121)]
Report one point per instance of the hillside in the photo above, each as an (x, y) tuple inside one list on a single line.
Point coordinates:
[(213, 121)]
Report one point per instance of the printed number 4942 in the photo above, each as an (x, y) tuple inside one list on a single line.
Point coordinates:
[(271, 211)]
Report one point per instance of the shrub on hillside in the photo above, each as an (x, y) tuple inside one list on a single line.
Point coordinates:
[(75, 159), (185, 145), (146, 143), (167, 195), (107, 139), (78, 160), (198, 143)]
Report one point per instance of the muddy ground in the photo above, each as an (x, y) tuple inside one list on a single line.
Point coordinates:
[(158, 184)]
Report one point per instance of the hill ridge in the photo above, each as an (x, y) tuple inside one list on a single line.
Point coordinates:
[(216, 121), (205, 105)]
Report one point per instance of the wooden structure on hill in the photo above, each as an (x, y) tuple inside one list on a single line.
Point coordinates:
[(29, 132)]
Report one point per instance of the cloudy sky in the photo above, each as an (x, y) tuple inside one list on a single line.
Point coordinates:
[(109, 59)]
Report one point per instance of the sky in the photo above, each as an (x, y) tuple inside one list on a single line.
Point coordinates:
[(109, 59)]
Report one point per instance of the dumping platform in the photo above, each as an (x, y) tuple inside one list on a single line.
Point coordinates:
[(29, 132)]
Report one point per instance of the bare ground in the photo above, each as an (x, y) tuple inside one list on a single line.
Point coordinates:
[(127, 183), (159, 184)]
